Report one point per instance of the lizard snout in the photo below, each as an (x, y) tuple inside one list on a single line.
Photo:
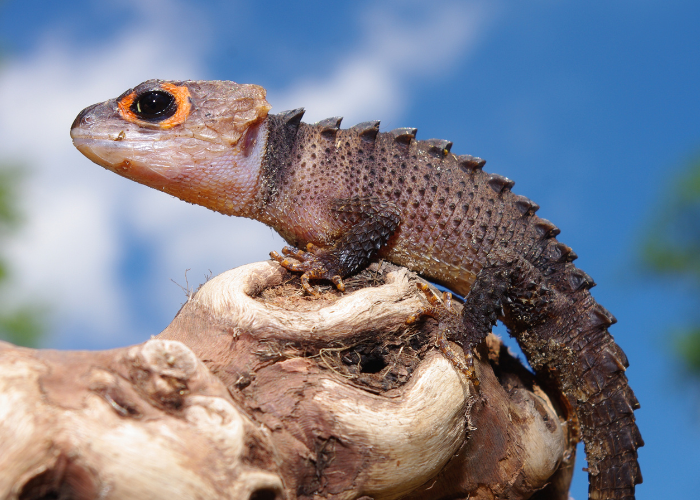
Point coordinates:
[(83, 117)]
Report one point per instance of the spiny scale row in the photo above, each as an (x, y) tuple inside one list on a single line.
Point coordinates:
[(498, 183), (368, 131)]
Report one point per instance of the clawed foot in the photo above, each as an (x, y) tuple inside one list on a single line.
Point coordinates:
[(315, 263), (449, 323)]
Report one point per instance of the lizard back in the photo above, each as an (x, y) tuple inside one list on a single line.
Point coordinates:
[(456, 221)]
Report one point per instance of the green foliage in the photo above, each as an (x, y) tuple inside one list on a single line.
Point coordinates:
[(23, 324), (672, 249), (688, 344), (9, 216)]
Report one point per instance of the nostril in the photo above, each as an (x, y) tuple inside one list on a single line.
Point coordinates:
[(265, 494), (82, 117)]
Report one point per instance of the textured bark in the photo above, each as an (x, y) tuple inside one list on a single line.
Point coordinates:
[(254, 391)]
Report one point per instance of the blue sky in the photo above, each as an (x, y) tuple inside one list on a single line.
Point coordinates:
[(592, 108)]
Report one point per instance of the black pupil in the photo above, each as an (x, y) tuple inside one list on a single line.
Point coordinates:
[(154, 105)]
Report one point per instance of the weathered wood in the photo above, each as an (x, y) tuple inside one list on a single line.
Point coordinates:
[(254, 391)]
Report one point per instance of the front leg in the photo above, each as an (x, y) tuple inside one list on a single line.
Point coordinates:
[(315, 263), (371, 224)]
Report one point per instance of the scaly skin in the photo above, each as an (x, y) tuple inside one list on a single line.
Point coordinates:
[(356, 193)]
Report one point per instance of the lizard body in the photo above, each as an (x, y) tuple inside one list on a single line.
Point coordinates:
[(355, 194)]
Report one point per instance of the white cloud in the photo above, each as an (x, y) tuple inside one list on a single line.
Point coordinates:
[(403, 42), (68, 254)]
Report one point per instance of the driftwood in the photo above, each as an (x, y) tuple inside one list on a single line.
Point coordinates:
[(256, 392)]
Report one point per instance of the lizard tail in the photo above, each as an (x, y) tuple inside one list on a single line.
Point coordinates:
[(563, 332), (605, 405), (571, 338)]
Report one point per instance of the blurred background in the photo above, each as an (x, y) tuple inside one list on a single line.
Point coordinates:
[(592, 108)]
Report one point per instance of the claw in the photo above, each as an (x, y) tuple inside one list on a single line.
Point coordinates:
[(307, 286), (311, 264), (291, 266), (338, 282), (413, 318), (293, 252)]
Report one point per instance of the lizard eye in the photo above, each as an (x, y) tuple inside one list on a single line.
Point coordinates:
[(154, 106), (159, 104)]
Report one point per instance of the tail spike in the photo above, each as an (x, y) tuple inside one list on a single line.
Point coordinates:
[(330, 126), (439, 147), (526, 205), (404, 135), (580, 280), (619, 353), (498, 183), (367, 130), (559, 252), (292, 118), (604, 315), (546, 229), (470, 163), (599, 317), (567, 254)]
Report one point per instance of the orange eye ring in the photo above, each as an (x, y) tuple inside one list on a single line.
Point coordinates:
[(181, 94)]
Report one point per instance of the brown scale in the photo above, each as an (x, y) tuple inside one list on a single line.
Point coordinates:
[(418, 205)]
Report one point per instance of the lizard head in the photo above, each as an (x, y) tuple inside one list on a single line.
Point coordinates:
[(201, 141)]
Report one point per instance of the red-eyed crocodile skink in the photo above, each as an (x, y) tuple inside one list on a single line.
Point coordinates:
[(351, 195)]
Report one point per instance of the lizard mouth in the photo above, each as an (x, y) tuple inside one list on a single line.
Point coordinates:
[(100, 151), (141, 161)]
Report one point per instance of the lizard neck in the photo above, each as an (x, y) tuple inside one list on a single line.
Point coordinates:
[(224, 179), (249, 168), (295, 195), (234, 179), (277, 163)]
